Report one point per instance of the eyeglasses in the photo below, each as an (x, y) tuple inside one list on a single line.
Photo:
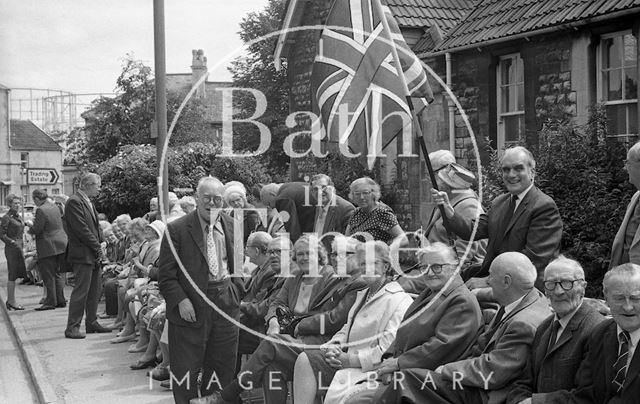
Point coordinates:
[(207, 198), (274, 252), (361, 193), (435, 268), (565, 285), (335, 254)]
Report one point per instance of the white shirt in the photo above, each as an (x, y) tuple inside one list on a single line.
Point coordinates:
[(564, 321), (521, 196), (635, 337)]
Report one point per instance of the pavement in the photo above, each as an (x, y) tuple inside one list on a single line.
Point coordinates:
[(40, 365)]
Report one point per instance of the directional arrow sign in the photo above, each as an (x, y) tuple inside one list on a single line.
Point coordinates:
[(42, 176)]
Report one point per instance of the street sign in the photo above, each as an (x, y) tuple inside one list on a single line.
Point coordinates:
[(42, 176)]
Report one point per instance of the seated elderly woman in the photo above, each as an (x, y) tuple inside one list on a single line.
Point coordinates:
[(319, 302), (372, 219), (235, 197), (438, 328), (370, 329)]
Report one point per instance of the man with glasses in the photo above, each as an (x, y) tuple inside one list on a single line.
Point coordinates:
[(525, 219), (611, 371), (201, 338), (560, 343), (626, 244)]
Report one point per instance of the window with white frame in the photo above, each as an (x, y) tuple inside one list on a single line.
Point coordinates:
[(510, 83), (618, 82)]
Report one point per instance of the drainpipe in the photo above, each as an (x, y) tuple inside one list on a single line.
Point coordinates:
[(452, 128)]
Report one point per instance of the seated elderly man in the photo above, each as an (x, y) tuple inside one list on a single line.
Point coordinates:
[(258, 289), (611, 371), (499, 354), (437, 328), (560, 343)]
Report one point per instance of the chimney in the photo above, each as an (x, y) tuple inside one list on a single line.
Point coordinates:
[(198, 69)]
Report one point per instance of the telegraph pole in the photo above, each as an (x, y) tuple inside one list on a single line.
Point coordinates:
[(161, 102)]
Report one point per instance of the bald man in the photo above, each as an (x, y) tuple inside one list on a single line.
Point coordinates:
[(626, 244), (499, 354)]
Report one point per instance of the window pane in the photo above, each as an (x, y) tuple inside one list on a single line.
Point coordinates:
[(505, 99), (513, 128), (630, 49), (616, 119), (520, 106), (612, 47), (614, 84), (506, 74), (630, 83), (520, 72), (632, 110)]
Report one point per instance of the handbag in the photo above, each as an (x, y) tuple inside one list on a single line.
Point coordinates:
[(287, 320)]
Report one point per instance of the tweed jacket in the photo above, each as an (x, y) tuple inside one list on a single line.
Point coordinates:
[(51, 238)]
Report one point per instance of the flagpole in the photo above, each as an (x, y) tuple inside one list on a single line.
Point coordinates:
[(417, 124)]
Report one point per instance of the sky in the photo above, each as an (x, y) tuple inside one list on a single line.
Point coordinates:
[(79, 45)]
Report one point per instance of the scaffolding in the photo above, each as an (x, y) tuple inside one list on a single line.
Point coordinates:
[(52, 110)]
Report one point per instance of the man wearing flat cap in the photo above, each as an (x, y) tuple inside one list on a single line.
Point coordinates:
[(456, 181)]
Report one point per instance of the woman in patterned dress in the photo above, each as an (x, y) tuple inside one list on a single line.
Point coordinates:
[(372, 219)]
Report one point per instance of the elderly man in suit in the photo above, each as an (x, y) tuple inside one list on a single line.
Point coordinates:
[(51, 242), (200, 337), (560, 343), (498, 355), (525, 219), (611, 371), (84, 253), (296, 204), (626, 244), (438, 327), (332, 212)]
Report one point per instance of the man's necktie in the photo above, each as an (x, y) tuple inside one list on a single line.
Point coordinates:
[(498, 318), (212, 254), (555, 327), (620, 367), (512, 208)]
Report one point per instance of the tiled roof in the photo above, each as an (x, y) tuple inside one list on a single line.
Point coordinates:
[(25, 135), (425, 13), (494, 19)]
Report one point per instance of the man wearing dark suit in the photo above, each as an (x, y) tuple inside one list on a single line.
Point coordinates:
[(296, 204), (525, 219), (438, 327), (85, 255), (332, 212), (560, 343), (200, 337), (51, 242), (611, 371), (499, 354)]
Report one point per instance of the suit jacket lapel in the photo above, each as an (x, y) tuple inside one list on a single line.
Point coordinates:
[(520, 209), (633, 369), (526, 302), (196, 233), (328, 220), (618, 241), (610, 352)]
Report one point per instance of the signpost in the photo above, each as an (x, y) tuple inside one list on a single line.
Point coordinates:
[(42, 176)]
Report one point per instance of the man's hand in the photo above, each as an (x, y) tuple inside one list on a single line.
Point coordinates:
[(477, 283), (187, 312), (387, 366), (337, 360), (442, 199), (274, 327)]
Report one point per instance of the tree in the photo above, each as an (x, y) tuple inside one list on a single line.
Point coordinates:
[(256, 70)]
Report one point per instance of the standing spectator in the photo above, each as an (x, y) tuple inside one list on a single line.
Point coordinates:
[(152, 214), (456, 181), (275, 225), (626, 247), (372, 219), (296, 205), (11, 230), (200, 338), (175, 211), (332, 211), (187, 204), (51, 242), (524, 220), (84, 253)]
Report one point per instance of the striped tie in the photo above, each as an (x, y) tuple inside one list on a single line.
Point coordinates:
[(212, 254), (620, 367)]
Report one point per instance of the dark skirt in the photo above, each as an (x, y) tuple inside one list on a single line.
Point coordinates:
[(323, 372), (15, 262)]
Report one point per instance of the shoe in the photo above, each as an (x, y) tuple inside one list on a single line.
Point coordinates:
[(125, 338), (26, 281), (159, 373), (115, 326), (74, 333), (41, 301), (39, 283), (13, 307), (96, 328), (63, 304), (136, 349), (166, 384), (105, 315), (45, 307), (143, 365)]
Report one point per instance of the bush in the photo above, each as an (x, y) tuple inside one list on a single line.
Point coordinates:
[(583, 172)]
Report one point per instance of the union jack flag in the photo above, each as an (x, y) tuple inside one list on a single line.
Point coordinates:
[(360, 97)]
